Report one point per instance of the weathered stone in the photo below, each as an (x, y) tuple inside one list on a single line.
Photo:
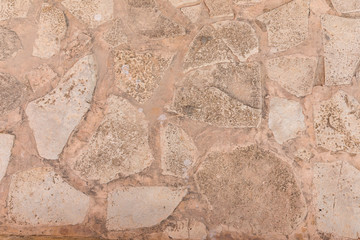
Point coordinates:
[(6, 144), (178, 230), (178, 151), (219, 9), (41, 197), (247, 2), (139, 74), (138, 207), (93, 13), (40, 77), (285, 119), (341, 38), (294, 73), (116, 35), (11, 93), (78, 44), (197, 230), (337, 199), (9, 43), (337, 124), (349, 6), (251, 190), (287, 25), (54, 116), (192, 12), (14, 9), (119, 145), (303, 154), (182, 3)]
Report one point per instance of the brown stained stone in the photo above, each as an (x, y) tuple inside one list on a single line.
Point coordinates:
[(337, 124), (116, 35), (219, 9), (11, 93), (41, 77), (287, 25), (6, 144), (139, 73), (349, 6), (192, 12), (9, 43), (118, 147), (251, 190), (14, 9)]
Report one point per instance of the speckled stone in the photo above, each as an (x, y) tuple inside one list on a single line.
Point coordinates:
[(10, 43), (6, 144), (14, 9)]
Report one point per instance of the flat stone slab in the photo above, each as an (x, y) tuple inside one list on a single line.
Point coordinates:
[(349, 6), (10, 43), (6, 144), (54, 116), (41, 197), (220, 9), (116, 34), (287, 25), (139, 207), (251, 190), (337, 124), (11, 93), (14, 9)]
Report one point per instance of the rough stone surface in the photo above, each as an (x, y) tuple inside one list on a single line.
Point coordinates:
[(286, 119), (187, 229), (6, 144), (40, 77), (219, 9), (41, 197), (116, 34), (182, 3), (9, 43), (197, 230), (192, 12), (11, 93), (14, 9), (251, 189), (54, 116), (247, 2), (138, 207), (349, 6)]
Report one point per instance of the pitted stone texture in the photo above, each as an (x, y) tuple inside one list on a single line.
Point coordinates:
[(139, 73), (341, 38), (337, 199), (294, 73), (139, 207), (6, 144), (40, 77), (9, 43), (11, 93), (286, 119), (349, 6), (219, 9), (287, 25), (119, 146), (91, 12), (41, 197), (14, 9), (51, 30), (192, 12), (182, 3), (178, 151), (251, 190), (54, 116), (116, 34), (337, 124)]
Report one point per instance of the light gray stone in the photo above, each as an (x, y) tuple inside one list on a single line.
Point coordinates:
[(14, 9), (6, 144)]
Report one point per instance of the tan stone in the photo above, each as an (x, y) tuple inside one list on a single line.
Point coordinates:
[(304, 154), (40, 77), (182, 3), (11, 93), (251, 190), (116, 34), (54, 116), (287, 25), (139, 207), (247, 2), (220, 9), (10, 43), (197, 230), (119, 146), (192, 12), (294, 73), (78, 44), (14, 9), (6, 144), (178, 230), (349, 6)]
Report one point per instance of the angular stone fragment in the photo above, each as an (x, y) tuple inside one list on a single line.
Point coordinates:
[(116, 35), (182, 3), (51, 30), (40, 77), (285, 119), (337, 199), (219, 9), (54, 116), (287, 25), (9, 43), (251, 190), (337, 124), (93, 13), (349, 6), (294, 73), (41, 197), (180, 230), (192, 12), (138, 207), (119, 145), (14, 9), (6, 144), (341, 38), (138, 74), (197, 231), (11, 93), (78, 44)]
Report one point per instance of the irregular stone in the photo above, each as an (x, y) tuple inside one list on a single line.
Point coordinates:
[(51, 30), (11, 93), (178, 151), (40, 77), (192, 12), (41, 197), (247, 2), (337, 199), (303, 154), (219, 9), (197, 231), (6, 144), (251, 190), (182, 3), (349, 6), (287, 25), (93, 13), (54, 116), (119, 146), (116, 35), (9, 43), (14, 9), (337, 124), (286, 119), (138, 207), (180, 230), (78, 44), (294, 73), (341, 38), (138, 74)]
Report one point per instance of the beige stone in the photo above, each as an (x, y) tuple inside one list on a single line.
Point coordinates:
[(139, 207), (14, 9), (286, 119), (247, 2), (304, 154), (295, 74), (40, 77), (78, 44), (6, 144), (337, 124), (182, 3), (10, 43), (197, 230), (119, 146), (287, 25), (192, 12), (41, 197), (178, 230), (251, 190), (219, 9), (11, 93), (349, 6), (54, 116), (116, 34)]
